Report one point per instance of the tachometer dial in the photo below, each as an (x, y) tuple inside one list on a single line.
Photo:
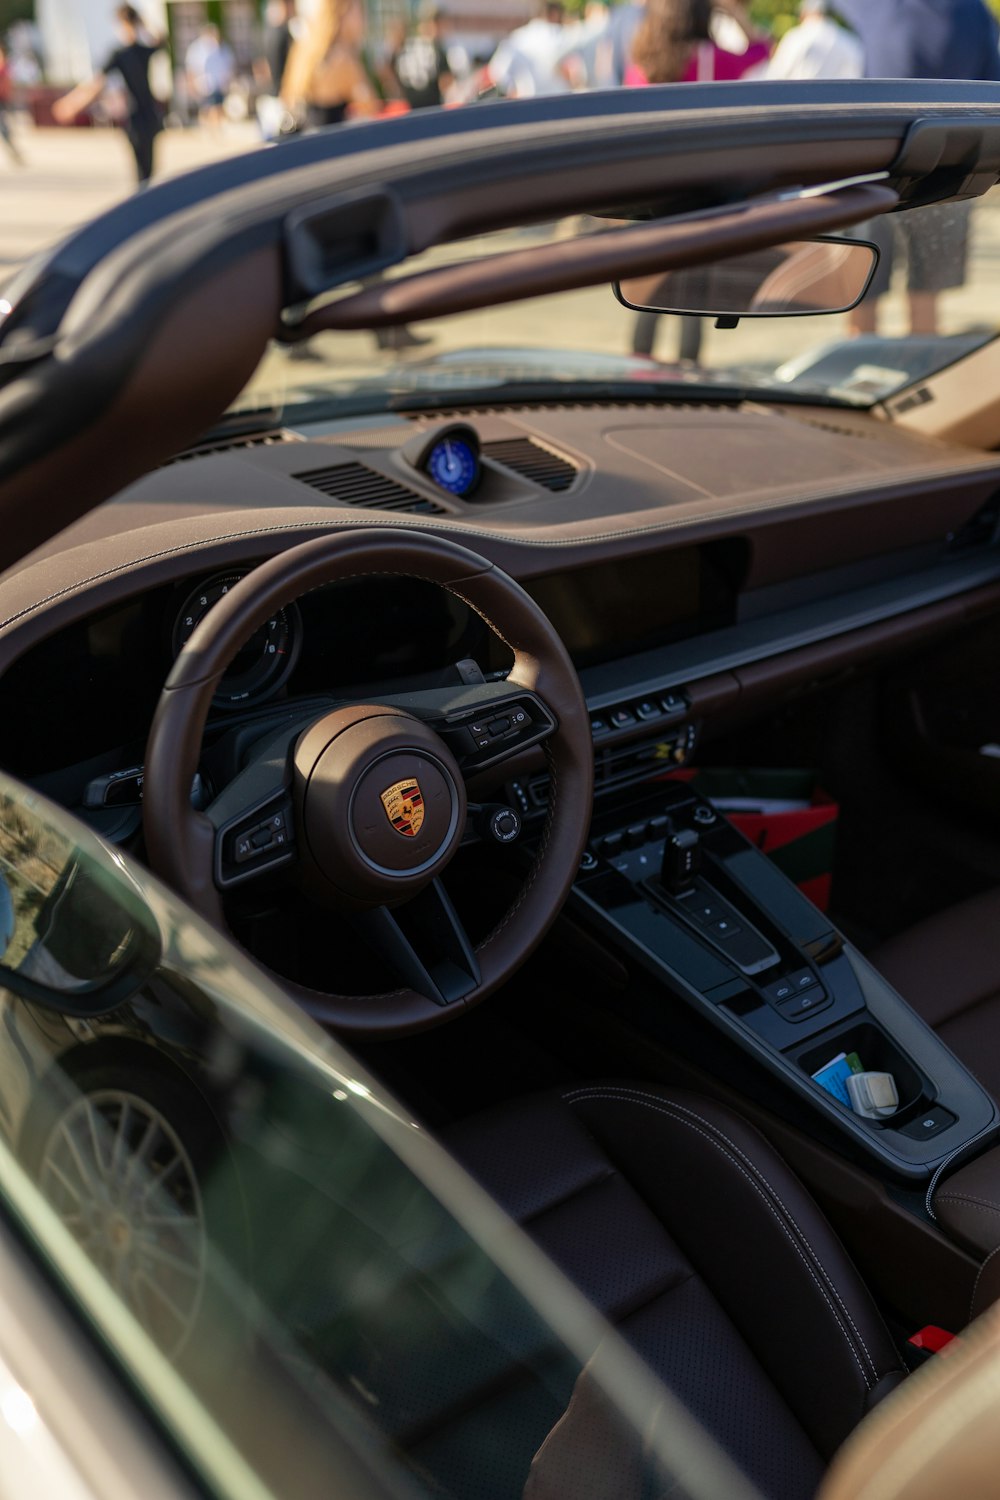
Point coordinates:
[(262, 663)]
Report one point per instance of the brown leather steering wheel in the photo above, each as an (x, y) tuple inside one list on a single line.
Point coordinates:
[(365, 804)]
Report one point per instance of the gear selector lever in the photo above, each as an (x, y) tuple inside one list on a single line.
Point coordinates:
[(681, 861)]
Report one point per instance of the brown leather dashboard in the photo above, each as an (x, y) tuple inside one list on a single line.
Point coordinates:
[(844, 531)]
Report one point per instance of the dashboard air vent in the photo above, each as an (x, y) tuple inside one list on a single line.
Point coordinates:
[(225, 445), (530, 459), (356, 484)]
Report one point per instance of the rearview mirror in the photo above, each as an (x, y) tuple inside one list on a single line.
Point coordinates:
[(794, 280)]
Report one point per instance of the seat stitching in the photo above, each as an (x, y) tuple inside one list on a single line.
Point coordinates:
[(990, 1208), (806, 1243), (798, 1241), (975, 1286)]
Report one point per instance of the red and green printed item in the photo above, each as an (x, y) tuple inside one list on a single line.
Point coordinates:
[(800, 841)]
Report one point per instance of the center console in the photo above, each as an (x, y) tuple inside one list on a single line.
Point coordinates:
[(670, 881)]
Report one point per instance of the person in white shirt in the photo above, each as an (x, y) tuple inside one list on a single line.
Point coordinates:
[(529, 62), (817, 48)]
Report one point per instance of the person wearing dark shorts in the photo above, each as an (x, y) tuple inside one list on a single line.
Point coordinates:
[(933, 244), (922, 39), (130, 60)]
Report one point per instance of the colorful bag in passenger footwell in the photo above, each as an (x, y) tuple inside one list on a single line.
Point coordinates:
[(787, 815)]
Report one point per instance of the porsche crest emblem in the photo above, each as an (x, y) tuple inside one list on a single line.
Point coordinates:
[(404, 807)]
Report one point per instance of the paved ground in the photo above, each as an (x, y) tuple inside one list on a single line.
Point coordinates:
[(71, 175)]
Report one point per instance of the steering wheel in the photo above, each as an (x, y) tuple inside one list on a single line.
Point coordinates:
[(365, 804)]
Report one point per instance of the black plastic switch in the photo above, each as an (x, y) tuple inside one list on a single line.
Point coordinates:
[(681, 860)]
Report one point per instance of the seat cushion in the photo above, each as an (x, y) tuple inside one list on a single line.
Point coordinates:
[(681, 1224), (948, 969)]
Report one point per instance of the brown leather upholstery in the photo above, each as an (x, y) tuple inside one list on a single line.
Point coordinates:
[(948, 970), (967, 1205), (680, 1223)]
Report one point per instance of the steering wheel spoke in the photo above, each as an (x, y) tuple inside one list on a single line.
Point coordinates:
[(253, 818), (425, 943), (483, 724)]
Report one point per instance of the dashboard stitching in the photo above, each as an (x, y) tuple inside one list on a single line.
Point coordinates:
[(350, 522), (679, 1111)]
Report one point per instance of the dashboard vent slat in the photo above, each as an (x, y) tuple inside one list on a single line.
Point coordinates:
[(226, 445), (356, 484), (533, 462)]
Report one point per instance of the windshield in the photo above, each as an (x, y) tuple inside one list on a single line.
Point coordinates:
[(931, 301), (307, 1291)]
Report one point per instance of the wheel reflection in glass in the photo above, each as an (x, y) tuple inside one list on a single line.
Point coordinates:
[(123, 1184)]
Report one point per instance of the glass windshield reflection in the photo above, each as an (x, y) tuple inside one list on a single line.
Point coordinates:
[(275, 1239)]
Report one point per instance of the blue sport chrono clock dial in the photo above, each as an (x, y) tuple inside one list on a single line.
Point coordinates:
[(453, 464)]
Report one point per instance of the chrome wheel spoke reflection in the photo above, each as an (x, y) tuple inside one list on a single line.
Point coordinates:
[(124, 1185)]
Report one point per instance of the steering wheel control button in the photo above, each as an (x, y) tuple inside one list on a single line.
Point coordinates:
[(255, 842)]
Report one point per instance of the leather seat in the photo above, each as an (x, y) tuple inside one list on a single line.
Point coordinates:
[(948, 969), (681, 1224)]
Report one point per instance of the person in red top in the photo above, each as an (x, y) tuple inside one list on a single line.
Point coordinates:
[(6, 93), (676, 42)]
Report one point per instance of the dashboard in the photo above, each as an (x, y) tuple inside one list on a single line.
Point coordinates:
[(676, 549)]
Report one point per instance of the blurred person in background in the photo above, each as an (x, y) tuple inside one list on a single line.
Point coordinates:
[(584, 48), (130, 61), (280, 27), (922, 39), (420, 64), (6, 97), (528, 63), (925, 38), (210, 67), (818, 47), (325, 76), (676, 43), (623, 23), (279, 24)]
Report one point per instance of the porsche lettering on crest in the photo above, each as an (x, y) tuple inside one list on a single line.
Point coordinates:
[(404, 807)]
